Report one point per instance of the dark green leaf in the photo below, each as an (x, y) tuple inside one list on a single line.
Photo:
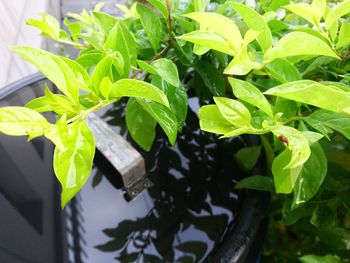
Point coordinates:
[(257, 182), (247, 157)]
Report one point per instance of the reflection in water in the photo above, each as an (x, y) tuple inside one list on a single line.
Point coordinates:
[(185, 215), (181, 219)]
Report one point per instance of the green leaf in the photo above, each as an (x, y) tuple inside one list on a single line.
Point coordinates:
[(164, 68), (104, 22), (73, 166), (54, 68), (139, 89), (284, 177), (80, 74), (247, 157), (314, 93), (256, 22), (210, 40), (242, 64), (247, 92), (323, 216), (335, 13), (179, 106), (344, 35), (161, 6), (20, 121), (105, 87), (141, 125), (297, 144), (59, 103), (120, 39), (221, 26), (312, 175), (39, 104), (233, 111), (48, 25), (308, 12), (299, 43), (256, 182), (58, 133), (164, 116), (104, 70), (211, 120), (283, 71), (335, 238), (151, 24), (211, 77), (322, 120), (89, 60), (320, 259)]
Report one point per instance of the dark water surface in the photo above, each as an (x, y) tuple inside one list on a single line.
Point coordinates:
[(182, 218)]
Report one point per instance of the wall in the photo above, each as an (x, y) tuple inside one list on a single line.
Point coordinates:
[(14, 31)]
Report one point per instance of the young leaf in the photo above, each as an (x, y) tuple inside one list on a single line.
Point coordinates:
[(151, 24), (344, 35), (285, 177), (210, 40), (48, 25), (220, 25), (104, 69), (120, 39), (39, 104), (247, 157), (308, 12), (54, 68), (299, 43), (59, 103), (73, 165), (295, 141), (340, 10), (164, 116), (161, 6), (311, 177), (323, 120), (242, 64), (139, 89), (20, 121), (211, 120), (256, 182), (141, 125), (233, 111), (104, 22), (314, 93), (256, 22), (164, 68), (245, 91)]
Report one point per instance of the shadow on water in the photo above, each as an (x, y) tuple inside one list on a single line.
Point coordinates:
[(192, 202)]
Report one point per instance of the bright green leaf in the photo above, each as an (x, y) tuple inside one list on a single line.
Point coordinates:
[(335, 13), (245, 91), (299, 43), (151, 24), (233, 111), (283, 71), (314, 93), (139, 89), (211, 120), (320, 259), (256, 22), (73, 166), (20, 121), (344, 35), (312, 175), (141, 125)]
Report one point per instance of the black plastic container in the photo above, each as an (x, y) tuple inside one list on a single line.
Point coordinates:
[(191, 214)]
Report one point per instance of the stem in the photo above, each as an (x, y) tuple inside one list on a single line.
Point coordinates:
[(295, 118), (168, 6), (83, 114)]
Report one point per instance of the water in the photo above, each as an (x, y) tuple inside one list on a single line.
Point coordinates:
[(183, 218)]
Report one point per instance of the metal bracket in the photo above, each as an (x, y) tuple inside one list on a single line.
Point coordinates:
[(124, 158)]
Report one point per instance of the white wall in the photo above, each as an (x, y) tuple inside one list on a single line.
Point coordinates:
[(14, 31)]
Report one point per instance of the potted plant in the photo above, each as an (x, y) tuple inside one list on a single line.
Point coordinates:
[(276, 71)]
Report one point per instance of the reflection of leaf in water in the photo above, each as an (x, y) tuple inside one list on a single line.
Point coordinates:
[(194, 247), (110, 246), (97, 178), (128, 257), (213, 226)]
